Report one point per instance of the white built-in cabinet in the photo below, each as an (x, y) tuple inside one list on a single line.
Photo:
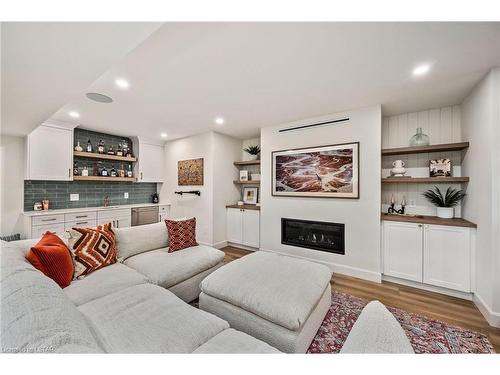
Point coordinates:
[(49, 153), (435, 255), (149, 165), (243, 227), (119, 218)]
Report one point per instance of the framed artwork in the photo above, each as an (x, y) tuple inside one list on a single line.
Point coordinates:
[(243, 175), (250, 195), (440, 168), (320, 172), (190, 172)]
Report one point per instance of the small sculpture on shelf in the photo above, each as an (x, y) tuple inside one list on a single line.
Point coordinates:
[(392, 210)]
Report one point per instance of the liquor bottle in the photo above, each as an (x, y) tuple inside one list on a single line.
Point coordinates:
[(89, 146), (85, 171), (78, 147), (110, 150), (101, 147), (119, 151), (129, 172), (75, 169), (113, 172), (104, 172), (122, 171)]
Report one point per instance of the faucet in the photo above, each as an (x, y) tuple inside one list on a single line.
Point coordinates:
[(106, 201)]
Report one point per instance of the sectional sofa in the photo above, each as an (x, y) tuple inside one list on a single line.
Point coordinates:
[(137, 305)]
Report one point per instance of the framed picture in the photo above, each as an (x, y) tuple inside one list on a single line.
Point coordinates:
[(250, 195), (440, 168), (190, 172), (243, 175), (320, 172)]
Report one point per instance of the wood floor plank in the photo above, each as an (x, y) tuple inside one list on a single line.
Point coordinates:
[(451, 310)]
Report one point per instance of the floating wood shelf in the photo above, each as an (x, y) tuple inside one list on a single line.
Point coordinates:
[(101, 178), (426, 149), (416, 180), (92, 155), (244, 207), (423, 219), (247, 162), (247, 182)]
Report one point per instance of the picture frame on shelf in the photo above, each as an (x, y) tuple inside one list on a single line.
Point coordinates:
[(243, 175), (440, 168), (250, 195)]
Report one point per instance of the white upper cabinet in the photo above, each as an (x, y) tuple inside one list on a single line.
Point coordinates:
[(49, 153), (149, 166)]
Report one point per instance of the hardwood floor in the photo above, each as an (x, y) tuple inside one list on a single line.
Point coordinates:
[(451, 310)]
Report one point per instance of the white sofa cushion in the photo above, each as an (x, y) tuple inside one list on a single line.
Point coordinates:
[(149, 319), (231, 341), (167, 269), (36, 315), (376, 331), (98, 284), (281, 289), (136, 240)]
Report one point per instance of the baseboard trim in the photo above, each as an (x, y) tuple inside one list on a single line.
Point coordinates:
[(493, 318), (359, 273), (220, 245), (243, 247)]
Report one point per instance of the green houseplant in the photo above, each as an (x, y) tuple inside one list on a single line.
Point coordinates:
[(444, 203), (253, 151)]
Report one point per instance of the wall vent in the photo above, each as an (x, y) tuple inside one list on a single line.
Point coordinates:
[(302, 127)]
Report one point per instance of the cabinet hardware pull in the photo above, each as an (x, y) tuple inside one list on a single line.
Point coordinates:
[(69, 173), (141, 175), (80, 216), (117, 223), (82, 222), (420, 225), (49, 219)]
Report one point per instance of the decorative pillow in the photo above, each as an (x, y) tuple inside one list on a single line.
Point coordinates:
[(52, 257), (181, 234), (92, 248)]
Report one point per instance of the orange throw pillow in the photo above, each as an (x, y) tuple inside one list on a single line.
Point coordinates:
[(52, 257), (181, 234)]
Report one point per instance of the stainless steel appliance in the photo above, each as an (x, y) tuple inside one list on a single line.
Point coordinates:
[(144, 215)]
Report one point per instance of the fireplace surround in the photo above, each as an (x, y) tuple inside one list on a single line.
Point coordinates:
[(316, 235)]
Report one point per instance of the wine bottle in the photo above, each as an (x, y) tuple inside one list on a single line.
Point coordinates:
[(113, 172), (101, 147), (110, 150), (104, 172), (89, 146), (129, 172), (75, 169), (119, 151)]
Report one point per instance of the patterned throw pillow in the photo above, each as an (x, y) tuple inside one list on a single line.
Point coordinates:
[(92, 248), (181, 234)]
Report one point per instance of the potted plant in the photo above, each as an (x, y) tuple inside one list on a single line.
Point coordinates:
[(446, 203), (253, 151)]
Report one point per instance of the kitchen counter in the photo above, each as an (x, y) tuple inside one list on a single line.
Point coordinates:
[(85, 209)]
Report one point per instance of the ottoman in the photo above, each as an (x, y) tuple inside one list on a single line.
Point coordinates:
[(278, 299)]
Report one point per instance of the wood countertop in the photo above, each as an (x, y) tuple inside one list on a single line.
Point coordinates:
[(423, 219), (244, 207)]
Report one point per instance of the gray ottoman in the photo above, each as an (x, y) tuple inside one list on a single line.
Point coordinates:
[(278, 299)]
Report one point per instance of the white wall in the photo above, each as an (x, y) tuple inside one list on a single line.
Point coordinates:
[(442, 125), (480, 126), (361, 216), (12, 159)]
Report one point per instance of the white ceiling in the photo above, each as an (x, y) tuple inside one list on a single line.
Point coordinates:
[(258, 74)]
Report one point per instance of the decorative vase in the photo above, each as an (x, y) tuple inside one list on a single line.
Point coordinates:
[(253, 157), (419, 139), (78, 147), (399, 170), (445, 212)]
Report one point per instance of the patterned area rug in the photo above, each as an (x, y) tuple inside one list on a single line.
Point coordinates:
[(426, 335)]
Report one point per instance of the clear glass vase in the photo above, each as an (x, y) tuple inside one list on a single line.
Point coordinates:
[(419, 139)]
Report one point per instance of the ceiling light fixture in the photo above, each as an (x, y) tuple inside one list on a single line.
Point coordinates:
[(74, 114), (122, 83), (219, 121), (421, 70), (164, 135), (100, 98)]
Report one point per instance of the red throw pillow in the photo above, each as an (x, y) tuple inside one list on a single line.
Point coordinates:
[(51, 256), (181, 234)]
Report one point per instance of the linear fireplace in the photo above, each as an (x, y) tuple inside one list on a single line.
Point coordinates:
[(317, 235)]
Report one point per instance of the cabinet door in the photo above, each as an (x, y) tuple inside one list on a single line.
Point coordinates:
[(251, 228), (447, 257), (49, 154), (234, 225), (39, 230), (80, 224), (403, 250), (150, 163), (123, 222)]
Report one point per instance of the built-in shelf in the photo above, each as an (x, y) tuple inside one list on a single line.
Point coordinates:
[(426, 149), (92, 155), (416, 180), (424, 219), (244, 207), (247, 182), (101, 178), (247, 162)]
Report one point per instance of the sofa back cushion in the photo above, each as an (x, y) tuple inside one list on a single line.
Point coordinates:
[(36, 314), (136, 240)]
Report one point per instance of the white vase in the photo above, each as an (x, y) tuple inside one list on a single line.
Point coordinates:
[(252, 157), (445, 212), (399, 168)]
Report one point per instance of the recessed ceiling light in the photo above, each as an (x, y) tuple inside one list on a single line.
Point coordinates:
[(74, 114), (421, 70), (100, 98), (219, 121), (122, 83), (164, 135)]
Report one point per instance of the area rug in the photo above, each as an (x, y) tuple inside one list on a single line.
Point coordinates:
[(426, 335)]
